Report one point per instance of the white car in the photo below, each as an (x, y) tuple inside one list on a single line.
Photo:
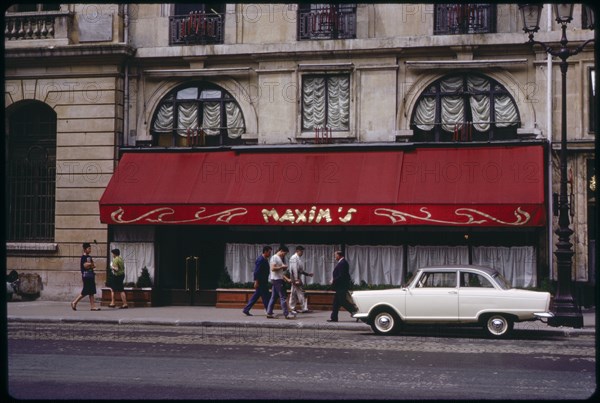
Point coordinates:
[(452, 295)]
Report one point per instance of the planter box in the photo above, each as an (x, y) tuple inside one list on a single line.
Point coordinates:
[(136, 297), (239, 297)]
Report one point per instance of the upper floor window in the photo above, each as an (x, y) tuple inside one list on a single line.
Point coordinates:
[(464, 19), (197, 24), (465, 107), (326, 102), (198, 115), (326, 21)]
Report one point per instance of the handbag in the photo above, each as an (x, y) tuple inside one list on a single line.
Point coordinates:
[(89, 274)]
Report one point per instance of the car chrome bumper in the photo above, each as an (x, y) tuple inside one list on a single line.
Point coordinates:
[(543, 315), (361, 316)]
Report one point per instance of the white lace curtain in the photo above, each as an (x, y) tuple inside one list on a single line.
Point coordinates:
[(187, 118), (136, 256), (326, 102), (453, 106), (376, 264), (384, 264), (318, 259), (516, 263)]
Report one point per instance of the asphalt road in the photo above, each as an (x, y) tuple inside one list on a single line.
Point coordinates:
[(106, 361)]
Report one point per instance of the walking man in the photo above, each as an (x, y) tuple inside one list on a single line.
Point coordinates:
[(277, 281), (296, 269), (261, 281), (341, 285)]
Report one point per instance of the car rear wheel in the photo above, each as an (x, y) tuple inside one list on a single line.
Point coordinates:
[(498, 325), (385, 322)]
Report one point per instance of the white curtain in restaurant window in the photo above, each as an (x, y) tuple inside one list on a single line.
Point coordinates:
[(187, 117), (338, 103), (164, 119), (318, 259), (506, 111), (382, 264), (136, 256), (453, 111), (211, 118), (480, 104), (313, 103), (516, 263), (425, 114), (480, 111), (452, 105), (421, 256), (235, 120)]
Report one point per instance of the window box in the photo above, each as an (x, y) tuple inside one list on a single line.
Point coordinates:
[(239, 297)]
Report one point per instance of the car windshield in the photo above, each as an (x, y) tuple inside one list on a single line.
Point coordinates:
[(502, 282)]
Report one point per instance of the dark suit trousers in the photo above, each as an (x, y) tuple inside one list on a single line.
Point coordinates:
[(339, 300)]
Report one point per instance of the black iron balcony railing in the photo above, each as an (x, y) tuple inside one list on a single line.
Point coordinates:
[(332, 22), (196, 29), (451, 19)]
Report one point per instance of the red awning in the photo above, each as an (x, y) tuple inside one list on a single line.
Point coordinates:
[(471, 186)]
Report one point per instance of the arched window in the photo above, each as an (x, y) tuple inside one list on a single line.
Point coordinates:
[(465, 107), (31, 172), (198, 115)]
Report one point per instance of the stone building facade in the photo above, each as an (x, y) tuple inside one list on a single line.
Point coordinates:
[(106, 78)]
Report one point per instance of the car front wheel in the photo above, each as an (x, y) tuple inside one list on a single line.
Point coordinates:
[(385, 322), (498, 325)]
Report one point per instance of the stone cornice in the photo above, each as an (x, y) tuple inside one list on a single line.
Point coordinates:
[(83, 53)]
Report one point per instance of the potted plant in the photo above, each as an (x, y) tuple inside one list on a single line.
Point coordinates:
[(138, 294)]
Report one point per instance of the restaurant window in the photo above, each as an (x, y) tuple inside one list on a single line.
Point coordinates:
[(465, 107), (326, 102), (197, 24), (452, 19), (592, 105), (198, 115), (31, 173), (326, 21)]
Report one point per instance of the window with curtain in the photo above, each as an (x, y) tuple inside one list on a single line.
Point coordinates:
[(465, 107), (198, 115), (326, 102)]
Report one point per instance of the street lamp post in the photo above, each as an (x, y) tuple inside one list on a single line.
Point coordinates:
[(566, 311)]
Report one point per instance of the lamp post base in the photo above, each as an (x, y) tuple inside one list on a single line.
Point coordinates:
[(566, 313)]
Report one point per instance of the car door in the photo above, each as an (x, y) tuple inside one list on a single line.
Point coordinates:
[(476, 294), (433, 297)]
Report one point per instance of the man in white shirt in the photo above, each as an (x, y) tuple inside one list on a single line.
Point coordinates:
[(296, 269), (277, 281)]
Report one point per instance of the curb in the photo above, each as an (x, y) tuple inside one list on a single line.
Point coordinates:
[(565, 331)]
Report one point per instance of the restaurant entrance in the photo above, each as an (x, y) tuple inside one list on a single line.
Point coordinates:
[(190, 260)]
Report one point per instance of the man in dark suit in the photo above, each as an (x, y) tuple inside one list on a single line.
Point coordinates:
[(341, 284), (261, 281)]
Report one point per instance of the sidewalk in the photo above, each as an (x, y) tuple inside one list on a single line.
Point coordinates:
[(54, 311)]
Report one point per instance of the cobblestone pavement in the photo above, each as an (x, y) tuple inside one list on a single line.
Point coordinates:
[(579, 347)]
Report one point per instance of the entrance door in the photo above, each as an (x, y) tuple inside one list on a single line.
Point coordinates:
[(188, 261)]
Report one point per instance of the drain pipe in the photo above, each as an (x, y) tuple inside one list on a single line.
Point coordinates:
[(549, 137), (126, 83)]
